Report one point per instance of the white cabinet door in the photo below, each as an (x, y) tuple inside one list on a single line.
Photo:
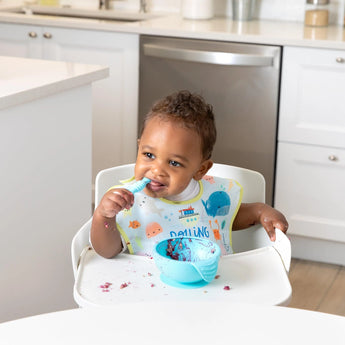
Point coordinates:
[(115, 99), (310, 190), (20, 40), (312, 105)]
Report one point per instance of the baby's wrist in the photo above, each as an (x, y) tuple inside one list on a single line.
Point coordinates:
[(261, 208), (108, 223), (103, 216)]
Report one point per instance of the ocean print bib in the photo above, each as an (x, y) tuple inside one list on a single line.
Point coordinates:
[(209, 215)]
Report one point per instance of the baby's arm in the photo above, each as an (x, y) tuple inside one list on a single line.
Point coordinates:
[(105, 237), (268, 217)]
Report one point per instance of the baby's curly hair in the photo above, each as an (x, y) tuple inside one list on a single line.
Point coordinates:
[(192, 112)]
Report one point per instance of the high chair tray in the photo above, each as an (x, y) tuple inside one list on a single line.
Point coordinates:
[(256, 276)]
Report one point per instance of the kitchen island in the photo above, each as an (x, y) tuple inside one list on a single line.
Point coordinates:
[(45, 154)]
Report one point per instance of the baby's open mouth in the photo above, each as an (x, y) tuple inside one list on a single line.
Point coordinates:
[(156, 186)]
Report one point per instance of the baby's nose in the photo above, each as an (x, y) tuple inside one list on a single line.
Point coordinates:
[(157, 169)]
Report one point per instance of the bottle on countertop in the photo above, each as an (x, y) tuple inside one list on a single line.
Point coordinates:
[(316, 13)]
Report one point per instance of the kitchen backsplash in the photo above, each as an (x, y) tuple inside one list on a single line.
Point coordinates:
[(289, 10), (293, 10)]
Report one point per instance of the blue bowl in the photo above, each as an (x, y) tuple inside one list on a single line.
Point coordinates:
[(187, 260)]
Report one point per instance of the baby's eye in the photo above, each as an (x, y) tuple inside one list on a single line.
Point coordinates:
[(149, 155), (175, 164)]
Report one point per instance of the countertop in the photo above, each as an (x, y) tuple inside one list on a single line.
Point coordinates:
[(219, 28), (23, 80)]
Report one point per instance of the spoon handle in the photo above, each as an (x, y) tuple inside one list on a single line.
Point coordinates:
[(139, 185)]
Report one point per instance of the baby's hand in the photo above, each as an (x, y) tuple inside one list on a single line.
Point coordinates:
[(270, 219), (114, 201)]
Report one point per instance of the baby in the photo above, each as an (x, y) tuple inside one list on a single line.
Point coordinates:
[(174, 152)]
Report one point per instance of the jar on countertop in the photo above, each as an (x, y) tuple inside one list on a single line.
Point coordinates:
[(197, 9), (49, 2), (316, 13)]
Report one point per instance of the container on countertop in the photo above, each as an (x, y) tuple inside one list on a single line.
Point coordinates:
[(316, 13), (49, 2), (243, 10), (197, 9)]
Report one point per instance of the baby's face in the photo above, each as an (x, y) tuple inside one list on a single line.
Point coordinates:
[(170, 156)]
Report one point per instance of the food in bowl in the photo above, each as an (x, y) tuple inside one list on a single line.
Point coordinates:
[(187, 260)]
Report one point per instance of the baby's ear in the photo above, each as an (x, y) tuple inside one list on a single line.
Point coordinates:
[(204, 168)]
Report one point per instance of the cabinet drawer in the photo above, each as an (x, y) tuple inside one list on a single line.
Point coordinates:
[(310, 190), (312, 106)]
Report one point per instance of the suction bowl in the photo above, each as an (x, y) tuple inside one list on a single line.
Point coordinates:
[(187, 261)]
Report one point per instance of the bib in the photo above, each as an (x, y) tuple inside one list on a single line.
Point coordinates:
[(209, 215)]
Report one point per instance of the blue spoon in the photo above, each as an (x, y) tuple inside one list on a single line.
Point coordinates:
[(138, 185)]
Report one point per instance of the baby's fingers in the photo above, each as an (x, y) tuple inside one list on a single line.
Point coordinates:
[(268, 225), (115, 201), (123, 197), (283, 226)]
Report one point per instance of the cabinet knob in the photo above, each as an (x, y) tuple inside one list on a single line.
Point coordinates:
[(340, 59), (333, 158), (47, 35), (32, 34)]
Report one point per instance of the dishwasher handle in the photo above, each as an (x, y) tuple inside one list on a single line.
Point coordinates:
[(211, 57)]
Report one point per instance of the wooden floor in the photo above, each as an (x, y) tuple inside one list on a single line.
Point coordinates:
[(317, 286)]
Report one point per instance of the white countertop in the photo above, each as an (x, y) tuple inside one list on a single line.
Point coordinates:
[(219, 28), (23, 80)]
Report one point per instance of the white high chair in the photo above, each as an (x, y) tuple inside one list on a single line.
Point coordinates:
[(257, 272)]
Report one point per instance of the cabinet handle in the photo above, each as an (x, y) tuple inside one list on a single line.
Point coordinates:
[(340, 60), (32, 34), (47, 35), (333, 158)]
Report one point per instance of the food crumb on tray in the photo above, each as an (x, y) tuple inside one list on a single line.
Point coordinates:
[(105, 287), (124, 285)]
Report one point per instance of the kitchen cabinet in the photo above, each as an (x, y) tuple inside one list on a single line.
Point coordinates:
[(114, 99), (20, 40), (312, 97), (310, 183)]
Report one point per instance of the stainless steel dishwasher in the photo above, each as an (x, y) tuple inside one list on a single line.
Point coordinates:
[(241, 81)]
